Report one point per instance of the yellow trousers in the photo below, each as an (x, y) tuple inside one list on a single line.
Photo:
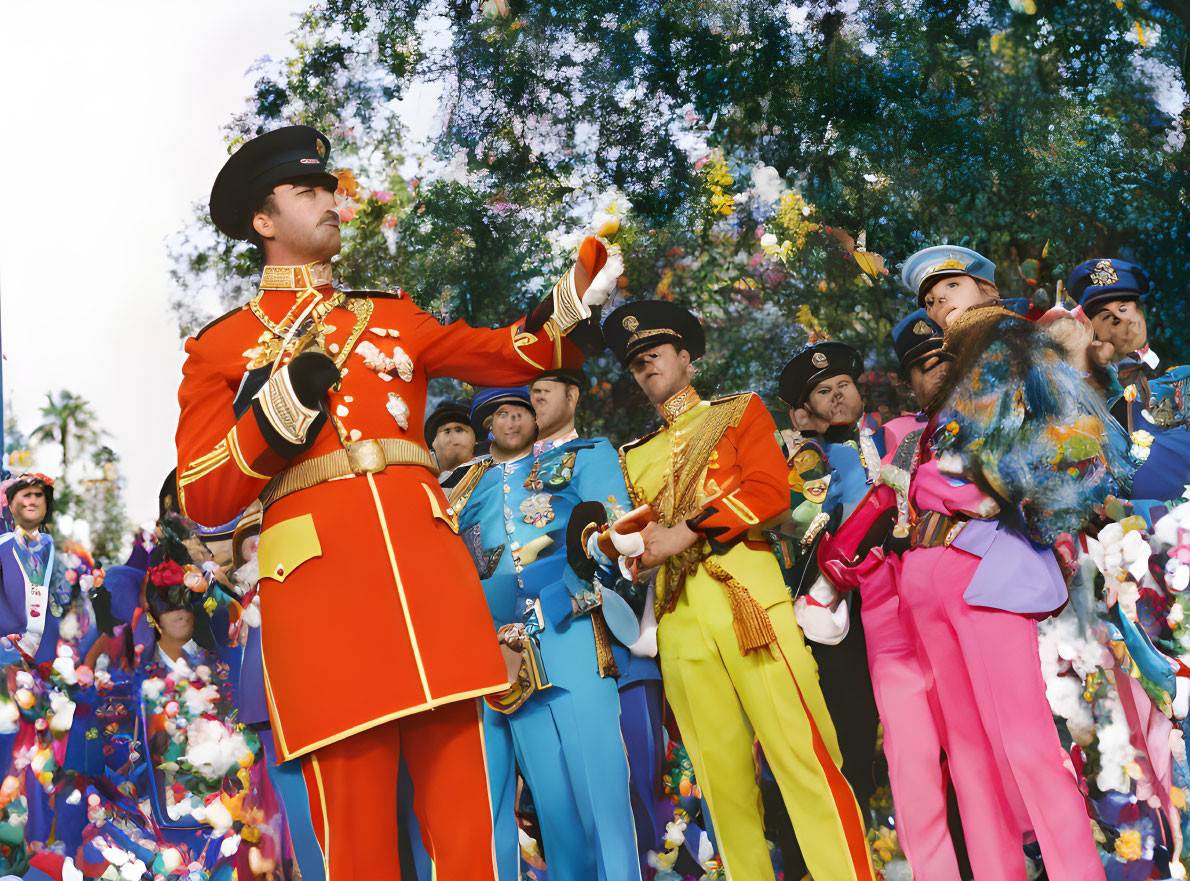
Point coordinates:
[(721, 698)]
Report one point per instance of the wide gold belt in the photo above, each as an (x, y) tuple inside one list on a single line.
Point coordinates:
[(935, 529), (355, 458)]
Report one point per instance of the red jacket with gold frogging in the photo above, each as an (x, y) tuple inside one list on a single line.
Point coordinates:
[(371, 608)]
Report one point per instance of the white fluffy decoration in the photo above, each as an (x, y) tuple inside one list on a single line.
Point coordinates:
[(1115, 751), (10, 717), (212, 749)]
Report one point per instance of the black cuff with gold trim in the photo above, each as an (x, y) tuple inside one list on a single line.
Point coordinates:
[(286, 424), (710, 534)]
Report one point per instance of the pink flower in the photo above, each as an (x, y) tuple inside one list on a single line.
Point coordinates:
[(382, 196), (346, 215)]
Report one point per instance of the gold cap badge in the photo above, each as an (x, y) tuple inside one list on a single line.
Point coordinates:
[(630, 323), (922, 329), (320, 148), (1104, 274), (819, 360)]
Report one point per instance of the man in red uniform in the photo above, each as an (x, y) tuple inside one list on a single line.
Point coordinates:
[(311, 399)]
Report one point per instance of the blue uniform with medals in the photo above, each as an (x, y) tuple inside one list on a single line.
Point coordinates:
[(1151, 400), (566, 736)]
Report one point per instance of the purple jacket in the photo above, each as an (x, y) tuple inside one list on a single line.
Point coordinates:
[(13, 618), (1013, 575)]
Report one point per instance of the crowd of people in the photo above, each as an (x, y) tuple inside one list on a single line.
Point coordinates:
[(366, 644)]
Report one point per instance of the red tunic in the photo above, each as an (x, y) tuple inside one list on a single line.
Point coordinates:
[(371, 607)]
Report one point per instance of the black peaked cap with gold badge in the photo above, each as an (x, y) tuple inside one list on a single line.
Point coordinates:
[(914, 337), (648, 323), (812, 365), (284, 155)]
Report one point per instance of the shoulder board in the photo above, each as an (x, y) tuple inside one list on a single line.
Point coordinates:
[(578, 443), (223, 317), (466, 485), (631, 445), (398, 294), (727, 399)]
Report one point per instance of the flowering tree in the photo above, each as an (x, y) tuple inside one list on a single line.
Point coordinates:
[(768, 163)]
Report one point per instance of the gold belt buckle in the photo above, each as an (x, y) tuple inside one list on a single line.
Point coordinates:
[(953, 532), (366, 457)]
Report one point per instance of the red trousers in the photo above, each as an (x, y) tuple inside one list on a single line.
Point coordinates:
[(353, 796)]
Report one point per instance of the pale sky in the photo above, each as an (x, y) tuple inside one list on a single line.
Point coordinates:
[(112, 129)]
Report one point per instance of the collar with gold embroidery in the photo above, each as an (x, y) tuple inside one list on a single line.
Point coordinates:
[(296, 278), (679, 404)]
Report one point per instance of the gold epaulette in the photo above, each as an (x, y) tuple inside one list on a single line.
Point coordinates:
[(463, 489)]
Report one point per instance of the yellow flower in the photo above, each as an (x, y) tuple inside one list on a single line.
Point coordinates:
[(1128, 846), (663, 284), (885, 843), (1133, 523), (718, 177)]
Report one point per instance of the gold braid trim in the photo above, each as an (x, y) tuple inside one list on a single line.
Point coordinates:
[(680, 496), (753, 628), (672, 578), (603, 646)]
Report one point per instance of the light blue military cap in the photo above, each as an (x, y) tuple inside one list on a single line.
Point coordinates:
[(942, 260)]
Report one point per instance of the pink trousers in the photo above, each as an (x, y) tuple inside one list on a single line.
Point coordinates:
[(912, 743), (1003, 749)]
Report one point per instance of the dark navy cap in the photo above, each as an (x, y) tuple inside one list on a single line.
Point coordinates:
[(914, 337), (445, 413), (1096, 282), (648, 323), (284, 155), (812, 365), (488, 401)]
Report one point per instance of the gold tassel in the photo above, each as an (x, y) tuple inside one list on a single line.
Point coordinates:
[(753, 628), (603, 646)]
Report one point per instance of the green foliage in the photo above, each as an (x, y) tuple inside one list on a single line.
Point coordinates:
[(101, 504), (70, 422), (1030, 130), (89, 486)]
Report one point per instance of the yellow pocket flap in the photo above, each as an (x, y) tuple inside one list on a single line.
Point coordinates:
[(449, 516), (286, 545)]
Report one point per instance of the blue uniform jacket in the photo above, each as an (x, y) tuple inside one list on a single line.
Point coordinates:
[(514, 524)]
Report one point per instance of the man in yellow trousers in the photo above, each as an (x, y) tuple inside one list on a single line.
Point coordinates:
[(732, 658)]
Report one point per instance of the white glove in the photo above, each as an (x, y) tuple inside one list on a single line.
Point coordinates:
[(630, 545), (606, 279), (646, 646)]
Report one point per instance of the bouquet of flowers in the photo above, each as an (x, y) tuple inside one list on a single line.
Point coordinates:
[(194, 740)]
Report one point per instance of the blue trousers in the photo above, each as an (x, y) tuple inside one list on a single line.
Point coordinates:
[(566, 741)]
